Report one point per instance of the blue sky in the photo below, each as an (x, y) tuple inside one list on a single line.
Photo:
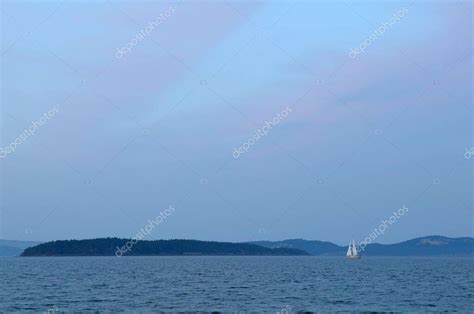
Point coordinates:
[(157, 127)]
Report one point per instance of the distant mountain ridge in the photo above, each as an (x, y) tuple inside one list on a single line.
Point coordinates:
[(13, 247), (313, 247), (124, 247), (424, 246)]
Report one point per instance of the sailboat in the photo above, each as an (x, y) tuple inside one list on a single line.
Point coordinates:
[(352, 251)]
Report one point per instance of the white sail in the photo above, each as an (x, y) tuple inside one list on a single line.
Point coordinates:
[(349, 250), (354, 248)]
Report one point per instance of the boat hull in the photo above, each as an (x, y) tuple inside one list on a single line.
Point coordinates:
[(354, 257)]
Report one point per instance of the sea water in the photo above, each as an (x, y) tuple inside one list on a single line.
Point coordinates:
[(235, 284)]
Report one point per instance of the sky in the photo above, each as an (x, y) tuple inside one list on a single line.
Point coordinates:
[(254, 120)]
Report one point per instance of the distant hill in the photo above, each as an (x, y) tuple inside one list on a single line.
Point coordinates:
[(14, 248), (108, 247), (425, 246), (313, 247)]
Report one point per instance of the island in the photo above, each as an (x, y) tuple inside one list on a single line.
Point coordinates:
[(425, 246), (130, 247)]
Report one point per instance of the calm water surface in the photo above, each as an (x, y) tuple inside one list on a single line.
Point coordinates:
[(235, 284)]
